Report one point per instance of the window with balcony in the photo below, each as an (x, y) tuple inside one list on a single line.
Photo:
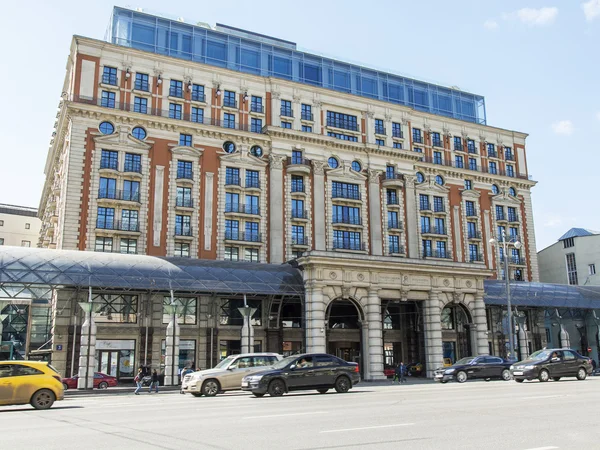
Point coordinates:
[(391, 196), (287, 125), (307, 128), (228, 120), (438, 204), (108, 188), (510, 170), (417, 136), (306, 112), (298, 211), (176, 89), (109, 76), (232, 202), (184, 197), (471, 146), (252, 234), (440, 247), (424, 202), (130, 220), (229, 99), (184, 170), (252, 204), (394, 244), (256, 125), (197, 115), (175, 111), (286, 108), (232, 176), (508, 154), (182, 249), (346, 215), (252, 179), (437, 158), (472, 164), (472, 230), (106, 218), (474, 253), (390, 172), (131, 191), (440, 225), (297, 183), (198, 93), (183, 225), (379, 128), (501, 232), (491, 150), (493, 168), (251, 255), (298, 237), (232, 254), (256, 104), (109, 160), (108, 99), (347, 240), (459, 162), (396, 130), (297, 157), (393, 221), (185, 140), (458, 144), (513, 233), (103, 244), (468, 185), (436, 140), (344, 121), (500, 212), (427, 248), (470, 208), (516, 256), (142, 82), (232, 229), (512, 214), (140, 105), (425, 224), (345, 190)]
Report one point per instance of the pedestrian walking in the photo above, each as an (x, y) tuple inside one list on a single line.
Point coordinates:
[(396, 374), (402, 372), (154, 382), (184, 372), (138, 381)]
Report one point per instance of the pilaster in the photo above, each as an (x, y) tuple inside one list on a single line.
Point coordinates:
[(411, 217), (276, 249), (319, 211), (375, 213), (433, 333)]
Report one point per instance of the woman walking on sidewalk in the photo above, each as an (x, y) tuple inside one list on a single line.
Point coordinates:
[(154, 382), (138, 381)]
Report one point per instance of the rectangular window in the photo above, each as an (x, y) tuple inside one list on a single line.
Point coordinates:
[(106, 218), (592, 269), (297, 183), (298, 237), (424, 202), (392, 196), (129, 220), (508, 155), (131, 191), (25, 243), (256, 125), (458, 145), (436, 140), (109, 76), (252, 205), (343, 137), (437, 157), (468, 185), (287, 125), (512, 214), (298, 209), (459, 162), (397, 145), (286, 108), (417, 136), (440, 226), (252, 179), (393, 221), (197, 115), (133, 163), (390, 172), (427, 248), (175, 111), (129, 246), (438, 204), (140, 105), (232, 176), (232, 229), (251, 255), (394, 244), (297, 157), (182, 249), (346, 214), (108, 188), (425, 224), (440, 249), (103, 244), (397, 130), (108, 99), (228, 120), (109, 160), (184, 197), (307, 128), (183, 225), (472, 164), (510, 170), (176, 89), (184, 170), (344, 121), (379, 128), (567, 243), (347, 240), (418, 150), (306, 112), (470, 208), (493, 168), (256, 104), (471, 146), (229, 99), (380, 142), (474, 253), (491, 150), (345, 190), (185, 140), (472, 230), (500, 213), (198, 93), (185, 310), (232, 254), (27, 226), (142, 82)]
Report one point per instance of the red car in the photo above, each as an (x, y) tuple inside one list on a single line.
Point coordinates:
[(101, 381)]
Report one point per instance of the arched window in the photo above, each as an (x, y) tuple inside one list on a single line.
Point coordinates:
[(106, 128), (495, 189)]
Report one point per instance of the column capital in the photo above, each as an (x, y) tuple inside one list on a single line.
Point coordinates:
[(374, 175), (319, 167), (276, 161), (410, 181)]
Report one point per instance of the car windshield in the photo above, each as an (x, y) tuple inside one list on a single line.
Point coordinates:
[(465, 361), (540, 354), (284, 362), (225, 362)]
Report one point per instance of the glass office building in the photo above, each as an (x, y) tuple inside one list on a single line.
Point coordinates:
[(256, 54)]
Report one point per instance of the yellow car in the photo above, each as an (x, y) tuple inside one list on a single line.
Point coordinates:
[(33, 382)]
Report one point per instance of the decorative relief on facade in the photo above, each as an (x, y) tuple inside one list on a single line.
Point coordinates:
[(360, 277), (333, 275), (374, 175), (319, 167), (276, 161)]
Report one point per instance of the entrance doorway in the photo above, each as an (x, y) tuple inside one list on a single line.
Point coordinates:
[(108, 362), (344, 333), (456, 330)]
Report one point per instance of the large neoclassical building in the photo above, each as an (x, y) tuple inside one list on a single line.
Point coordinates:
[(215, 145)]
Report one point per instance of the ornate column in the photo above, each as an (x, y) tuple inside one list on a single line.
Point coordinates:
[(369, 130), (315, 320), (247, 334), (297, 111), (276, 108), (388, 129), (276, 205), (411, 216), (375, 338), (172, 347), (317, 105), (87, 350), (319, 207), (433, 333), (522, 336), (479, 317), (458, 242), (565, 340), (375, 212)]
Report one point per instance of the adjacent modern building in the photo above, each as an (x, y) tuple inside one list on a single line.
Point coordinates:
[(572, 260), (222, 147), (19, 225)]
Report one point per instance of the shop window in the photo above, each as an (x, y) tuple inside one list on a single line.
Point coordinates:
[(187, 353), (186, 310), (230, 314), (115, 308)]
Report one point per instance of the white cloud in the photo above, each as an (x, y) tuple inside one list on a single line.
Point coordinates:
[(591, 9), (490, 25), (564, 127), (535, 17)]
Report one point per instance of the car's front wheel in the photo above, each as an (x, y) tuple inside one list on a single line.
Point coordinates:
[(581, 374), (544, 375), (43, 399), (276, 388), (210, 388), (461, 376), (506, 375), (343, 384), (103, 385)]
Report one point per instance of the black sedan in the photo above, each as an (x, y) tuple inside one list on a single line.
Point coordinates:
[(484, 367), (552, 363), (303, 372)]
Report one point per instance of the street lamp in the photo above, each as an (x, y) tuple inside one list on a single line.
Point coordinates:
[(87, 308), (514, 242)]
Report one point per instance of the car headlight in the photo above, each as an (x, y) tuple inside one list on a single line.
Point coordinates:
[(196, 376), (449, 371), (252, 378), (512, 367), (528, 367)]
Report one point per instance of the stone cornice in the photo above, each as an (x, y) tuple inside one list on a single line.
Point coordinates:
[(481, 177)]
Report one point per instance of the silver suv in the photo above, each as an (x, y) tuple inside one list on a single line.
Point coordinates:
[(228, 374)]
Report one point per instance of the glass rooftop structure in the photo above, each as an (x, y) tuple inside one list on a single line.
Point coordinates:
[(257, 54)]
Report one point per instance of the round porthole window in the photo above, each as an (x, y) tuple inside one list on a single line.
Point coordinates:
[(512, 192), (106, 128), (256, 150), (333, 163), (229, 147), (356, 166), (439, 180), (139, 133), (495, 189), (420, 177)]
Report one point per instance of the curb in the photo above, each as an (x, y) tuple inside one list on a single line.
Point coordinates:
[(115, 391)]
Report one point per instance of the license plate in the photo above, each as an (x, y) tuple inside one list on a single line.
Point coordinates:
[(439, 376), (244, 384), (518, 373)]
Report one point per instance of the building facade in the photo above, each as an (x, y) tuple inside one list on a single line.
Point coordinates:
[(19, 225), (226, 145), (572, 260)]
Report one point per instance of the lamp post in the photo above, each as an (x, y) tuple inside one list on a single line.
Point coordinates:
[(505, 244), (172, 344), (86, 341)]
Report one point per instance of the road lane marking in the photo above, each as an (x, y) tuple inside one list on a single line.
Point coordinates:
[(368, 428), (286, 415), (542, 396), (542, 448)]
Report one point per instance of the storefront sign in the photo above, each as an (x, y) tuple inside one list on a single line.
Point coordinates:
[(59, 347), (115, 345)]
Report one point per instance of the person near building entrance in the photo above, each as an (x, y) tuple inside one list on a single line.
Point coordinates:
[(184, 372), (154, 382), (399, 374), (138, 381)]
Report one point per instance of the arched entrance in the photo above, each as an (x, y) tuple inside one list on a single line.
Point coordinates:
[(456, 332), (344, 338)]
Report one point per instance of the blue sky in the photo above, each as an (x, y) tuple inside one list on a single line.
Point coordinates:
[(536, 63)]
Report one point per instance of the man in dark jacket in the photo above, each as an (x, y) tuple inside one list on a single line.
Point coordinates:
[(154, 382)]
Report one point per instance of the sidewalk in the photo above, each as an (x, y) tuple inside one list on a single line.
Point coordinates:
[(117, 390)]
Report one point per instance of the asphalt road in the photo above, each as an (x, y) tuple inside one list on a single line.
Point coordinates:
[(474, 415)]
